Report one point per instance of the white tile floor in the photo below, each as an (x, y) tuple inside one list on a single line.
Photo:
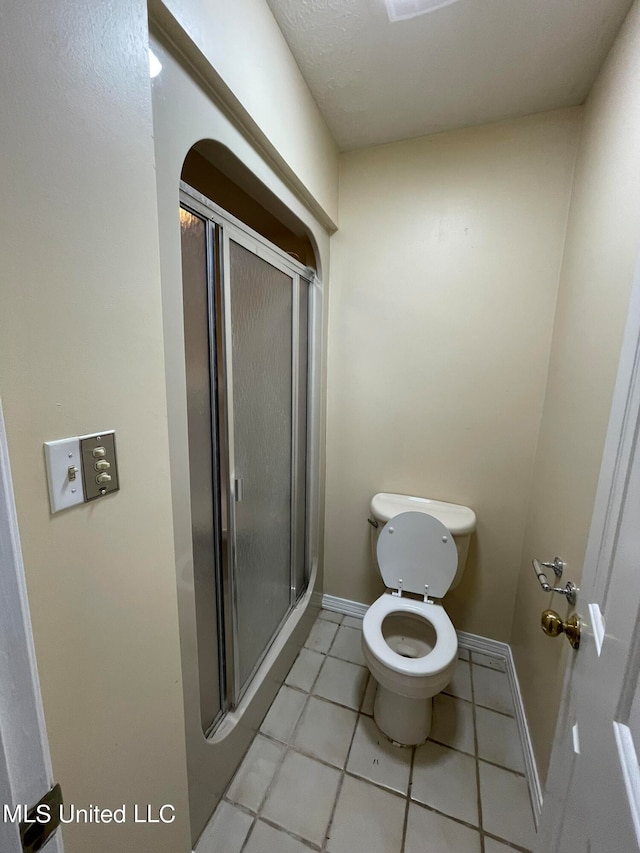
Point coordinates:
[(320, 776)]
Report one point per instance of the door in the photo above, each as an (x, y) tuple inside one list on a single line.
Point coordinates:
[(246, 336), (25, 764), (264, 306), (260, 312), (207, 525), (592, 800)]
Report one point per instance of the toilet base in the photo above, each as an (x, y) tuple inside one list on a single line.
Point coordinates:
[(405, 721)]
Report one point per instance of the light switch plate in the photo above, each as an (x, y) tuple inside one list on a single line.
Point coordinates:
[(61, 456), (99, 449)]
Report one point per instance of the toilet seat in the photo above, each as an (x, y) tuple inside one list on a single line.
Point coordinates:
[(433, 663), (416, 551)]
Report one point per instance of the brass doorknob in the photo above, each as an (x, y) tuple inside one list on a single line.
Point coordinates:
[(553, 625)]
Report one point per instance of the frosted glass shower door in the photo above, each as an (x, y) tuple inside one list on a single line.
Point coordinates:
[(260, 305), (197, 236)]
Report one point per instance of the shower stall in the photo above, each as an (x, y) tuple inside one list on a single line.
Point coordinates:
[(246, 309)]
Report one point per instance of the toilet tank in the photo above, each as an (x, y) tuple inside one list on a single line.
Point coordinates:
[(459, 520)]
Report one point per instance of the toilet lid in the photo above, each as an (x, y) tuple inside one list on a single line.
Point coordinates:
[(417, 549)]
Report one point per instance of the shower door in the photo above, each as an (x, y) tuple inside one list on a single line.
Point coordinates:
[(260, 300), (198, 237), (257, 365)]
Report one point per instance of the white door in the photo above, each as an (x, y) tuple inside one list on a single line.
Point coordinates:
[(592, 799), (25, 765)]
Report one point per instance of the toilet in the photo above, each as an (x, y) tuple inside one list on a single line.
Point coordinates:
[(409, 643)]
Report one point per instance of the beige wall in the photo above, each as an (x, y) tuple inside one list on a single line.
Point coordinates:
[(244, 44), (81, 350), (602, 248), (443, 287)]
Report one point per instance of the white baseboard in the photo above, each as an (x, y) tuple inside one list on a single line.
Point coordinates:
[(474, 643), (343, 605), (531, 768), (486, 645)]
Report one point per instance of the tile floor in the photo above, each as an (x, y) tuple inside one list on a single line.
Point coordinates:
[(320, 776)]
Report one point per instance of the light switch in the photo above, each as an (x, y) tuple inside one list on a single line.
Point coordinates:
[(77, 469), (63, 464), (99, 456)]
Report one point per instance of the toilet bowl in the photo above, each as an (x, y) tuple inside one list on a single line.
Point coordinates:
[(409, 643), (411, 648)]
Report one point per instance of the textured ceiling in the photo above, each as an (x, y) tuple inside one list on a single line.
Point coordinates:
[(470, 62)]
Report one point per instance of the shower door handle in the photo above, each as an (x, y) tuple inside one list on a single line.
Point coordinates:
[(238, 489)]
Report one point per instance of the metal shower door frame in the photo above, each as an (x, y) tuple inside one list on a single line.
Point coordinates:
[(225, 228)]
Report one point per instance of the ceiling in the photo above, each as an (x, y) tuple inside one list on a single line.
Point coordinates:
[(470, 62)]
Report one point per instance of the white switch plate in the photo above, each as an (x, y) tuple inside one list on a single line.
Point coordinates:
[(60, 456)]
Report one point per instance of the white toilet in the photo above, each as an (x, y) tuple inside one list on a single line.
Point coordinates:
[(409, 643)]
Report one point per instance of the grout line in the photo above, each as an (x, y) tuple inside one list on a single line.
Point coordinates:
[(224, 797), (327, 832), (409, 787), (334, 656), (245, 809), (486, 666), (492, 655), (506, 843), (315, 677), (519, 773), (324, 618), (265, 797), (484, 760), (495, 711), (250, 833), (479, 704), (333, 639), (378, 785), (285, 752), (344, 771), (448, 816), (310, 845)]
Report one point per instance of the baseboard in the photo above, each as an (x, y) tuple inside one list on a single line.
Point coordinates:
[(343, 605), (531, 768), (486, 645)]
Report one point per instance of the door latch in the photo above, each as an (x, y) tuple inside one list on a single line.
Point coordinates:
[(36, 829)]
